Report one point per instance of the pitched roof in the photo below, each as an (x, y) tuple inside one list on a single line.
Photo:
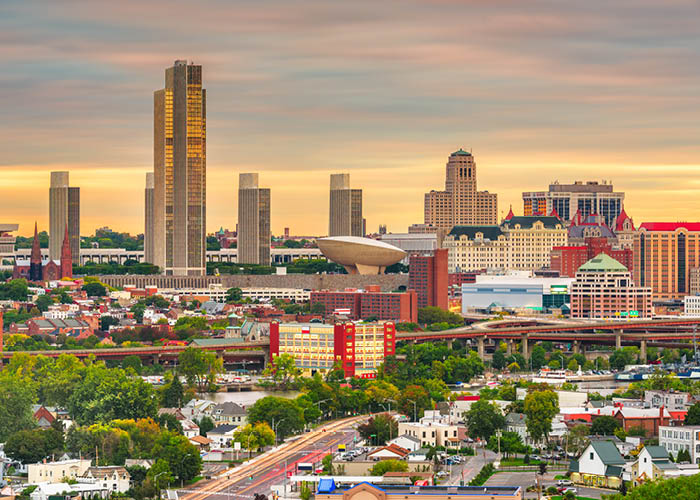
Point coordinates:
[(489, 232), (222, 429), (516, 419), (510, 213), (228, 408), (527, 222), (602, 263), (461, 152), (393, 448), (657, 452), (608, 452), (620, 221)]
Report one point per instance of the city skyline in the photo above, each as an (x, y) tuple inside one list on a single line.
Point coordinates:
[(525, 88)]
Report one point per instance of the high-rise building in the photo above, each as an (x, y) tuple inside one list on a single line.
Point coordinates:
[(579, 199), (253, 221), (64, 211), (460, 203), (180, 172), (345, 218), (148, 222), (664, 254), (427, 275)]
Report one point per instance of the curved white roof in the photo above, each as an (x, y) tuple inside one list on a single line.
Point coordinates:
[(357, 240)]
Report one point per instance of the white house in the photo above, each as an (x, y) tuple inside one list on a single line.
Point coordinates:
[(222, 436), (652, 462), (407, 442), (600, 464), (390, 452), (55, 472), (113, 478), (46, 490)]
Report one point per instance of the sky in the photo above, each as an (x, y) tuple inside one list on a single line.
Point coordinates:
[(541, 90)]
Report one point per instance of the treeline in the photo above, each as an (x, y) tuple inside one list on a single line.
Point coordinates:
[(129, 267)]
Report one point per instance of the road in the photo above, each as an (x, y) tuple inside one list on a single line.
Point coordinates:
[(468, 469), (261, 473), (525, 479)]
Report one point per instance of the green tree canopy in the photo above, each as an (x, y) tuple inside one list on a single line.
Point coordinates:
[(484, 419), (604, 425), (540, 408), (379, 429), (199, 367), (282, 415), (384, 466)]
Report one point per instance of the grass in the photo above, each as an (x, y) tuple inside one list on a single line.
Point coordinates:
[(517, 462), (560, 476)]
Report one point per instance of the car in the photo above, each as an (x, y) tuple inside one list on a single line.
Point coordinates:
[(565, 490), (535, 457), (564, 482), (442, 473)]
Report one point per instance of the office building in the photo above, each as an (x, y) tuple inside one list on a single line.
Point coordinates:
[(180, 172), (253, 221), (604, 289), (460, 202), (686, 437), (582, 198), (664, 254), (567, 259), (427, 275), (359, 348), (345, 217), (519, 243), (148, 222), (64, 211), (411, 243), (7, 241), (369, 303)]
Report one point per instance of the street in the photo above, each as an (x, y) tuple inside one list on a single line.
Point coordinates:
[(261, 473)]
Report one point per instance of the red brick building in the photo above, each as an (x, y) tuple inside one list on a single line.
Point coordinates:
[(385, 306), (427, 275), (567, 259)]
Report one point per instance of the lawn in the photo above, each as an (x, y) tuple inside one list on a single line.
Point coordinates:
[(517, 462)]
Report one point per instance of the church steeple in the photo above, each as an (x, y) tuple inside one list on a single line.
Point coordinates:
[(66, 257), (36, 271)]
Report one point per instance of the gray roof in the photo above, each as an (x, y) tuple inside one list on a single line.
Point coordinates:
[(214, 342), (489, 232), (578, 231), (613, 471), (228, 408), (222, 429), (608, 452), (527, 222), (573, 466), (657, 452), (516, 419), (212, 307), (409, 437)]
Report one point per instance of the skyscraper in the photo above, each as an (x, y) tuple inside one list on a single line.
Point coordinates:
[(64, 210), (179, 172), (253, 221), (148, 222), (460, 203), (345, 218)]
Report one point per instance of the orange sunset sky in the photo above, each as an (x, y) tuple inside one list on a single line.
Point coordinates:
[(296, 90)]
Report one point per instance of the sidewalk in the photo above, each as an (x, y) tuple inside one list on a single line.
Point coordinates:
[(470, 467)]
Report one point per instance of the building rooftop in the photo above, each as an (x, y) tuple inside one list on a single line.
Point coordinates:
[(670, 226), (461, 152), (526, 222), (329, 487), (489, 232), (602, 263)]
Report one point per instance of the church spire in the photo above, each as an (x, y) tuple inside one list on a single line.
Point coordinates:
[(66, 257), (35, 266)]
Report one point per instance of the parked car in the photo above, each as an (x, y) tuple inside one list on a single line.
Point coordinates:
[(565, 490), (564, 482)]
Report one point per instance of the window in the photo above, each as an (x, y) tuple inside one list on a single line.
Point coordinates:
[(590, 456)]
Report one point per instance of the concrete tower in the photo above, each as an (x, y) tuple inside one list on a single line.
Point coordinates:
[(345, 216), (253, 221), (64, 211), (148, 222)]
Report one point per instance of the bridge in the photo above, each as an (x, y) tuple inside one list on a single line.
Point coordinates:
[(244, 353), (664, 333)]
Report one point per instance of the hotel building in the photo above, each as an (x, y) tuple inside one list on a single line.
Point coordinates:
[(360, 348)]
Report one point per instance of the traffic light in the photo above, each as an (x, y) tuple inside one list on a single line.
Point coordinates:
[(543, 469)]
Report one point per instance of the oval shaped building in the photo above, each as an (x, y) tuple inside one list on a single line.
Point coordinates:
[(360, 255)]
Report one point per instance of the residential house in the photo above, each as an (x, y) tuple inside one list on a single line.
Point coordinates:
[(228, 413), (222, 435), (517, 422), (201, 442), (600, 465), (389, 452), (407, 442), (146, 463), (434, 434), (66, 491), (671, 400), (55, 472), (652, 463), (113, 478)]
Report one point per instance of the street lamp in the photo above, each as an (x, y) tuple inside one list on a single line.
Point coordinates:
[(275, 427), (319, 406), (415, 417), (155, 480)]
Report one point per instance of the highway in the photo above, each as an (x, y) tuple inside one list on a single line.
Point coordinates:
[(261, 473)]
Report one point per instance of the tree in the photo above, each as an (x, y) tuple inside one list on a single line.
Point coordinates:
[(173, 394), (572, 366), (182, 456), (160, 474), (107, 321), (281, 414), (199, 367), (31, 446), (484, 419), (134, 362), (577, 438), (283, 371), (205, 425), (234, 295), (499, 360), (254, 437), (604, 425), (170, 422), (511, 442), (537, 358), (693, 415), (95, 289), (43, 302), (379, 429), (384, 466), (17, 394), (413, 400), (431, 314), (540, 408)]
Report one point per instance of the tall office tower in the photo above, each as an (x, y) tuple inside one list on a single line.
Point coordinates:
[(460, 203), (148, 222), (576, 201), (427, 275), (64, 210), (345, 218), (253, 221), (180, 172)]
